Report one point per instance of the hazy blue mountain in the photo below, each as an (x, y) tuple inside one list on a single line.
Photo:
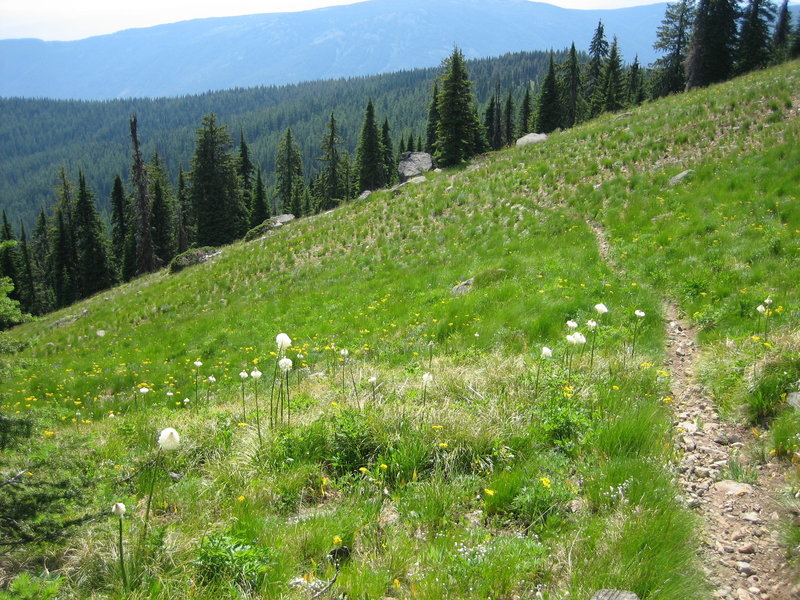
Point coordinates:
[(377, 36)]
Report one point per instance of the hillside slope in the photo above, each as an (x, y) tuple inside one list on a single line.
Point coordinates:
[(504, 473), (366, 38)]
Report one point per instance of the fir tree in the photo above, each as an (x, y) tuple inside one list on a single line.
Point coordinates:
[(146, 260), (245, 167), (612, 86), (712, 47), (64, 257), (509, 129), (40, 259), (219, 211), (572, 90), (119, 222), (330, 191), (369, 157), (9, 257), (782, 34), (634, 93), (186, 222), (94, 273), (548, 113), (163, 221), (754, 49), (672, 38), (525, 112), (598, 53), (260, 212), (433, 121), (28, 298), (289, 184), (390, 174), (794, 50), (493, 120), (458, 134)]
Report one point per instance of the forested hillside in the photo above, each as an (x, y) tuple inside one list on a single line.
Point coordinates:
[(39, 136)]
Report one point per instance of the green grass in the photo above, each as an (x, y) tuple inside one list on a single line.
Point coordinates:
[(514, 475)]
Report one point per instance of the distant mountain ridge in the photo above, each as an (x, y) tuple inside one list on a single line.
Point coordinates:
[(377, 36)]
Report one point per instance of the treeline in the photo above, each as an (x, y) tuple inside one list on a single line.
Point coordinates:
[(38, 135)]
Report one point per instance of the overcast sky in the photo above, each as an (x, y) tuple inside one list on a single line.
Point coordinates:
[(76, 19)]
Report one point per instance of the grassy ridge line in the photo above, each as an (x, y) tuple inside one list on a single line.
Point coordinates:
[(375, 278)]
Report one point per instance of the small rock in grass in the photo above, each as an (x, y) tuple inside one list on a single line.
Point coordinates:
[(614, 595)]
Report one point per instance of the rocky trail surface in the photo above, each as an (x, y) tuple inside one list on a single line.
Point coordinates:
[(742, 555)]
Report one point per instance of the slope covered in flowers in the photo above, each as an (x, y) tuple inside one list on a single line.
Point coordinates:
[(502, 473)]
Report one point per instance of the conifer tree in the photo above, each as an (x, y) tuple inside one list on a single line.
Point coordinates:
[(146, 260), (458, 134), (245, 167), (794, 50), (260, 212), (186, 222), (330, 191), (548, 114), (782, 34), (712, 47), (390, 174), (433, 121), (64, 256), (493, 120), (289, 184), (610, 94), (525, 112), (40, 258), (509, 129), (369, 157), (163, 221), (94, 273), (218, 207), (672, 38), (9, 257), (119, 222), (28, 298), (598, 53), (634, 92), (754, 49), (572, 100)]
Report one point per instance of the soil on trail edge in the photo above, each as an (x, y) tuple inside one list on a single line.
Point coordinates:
[(742, 554), (741, 551)]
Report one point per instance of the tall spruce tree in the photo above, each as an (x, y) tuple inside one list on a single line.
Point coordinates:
[(390, 175), (94, 272), (598, 53), (572, 101), (369, 157), (245, 167), (458, 134), (42, 273), (493, 120), (509, 128), (186, 221), (163, 213), (672, 38), (64, 255), (433, 120), (525, 112), (330, 191), (289, 183), (119, 222), (146, 259), (612, 86), (782, 34), (754, 47), (710, 57), (9, 258), (260, 212), (794, 50), (219, 210), (548, 113), (29, 299), (634, 92)]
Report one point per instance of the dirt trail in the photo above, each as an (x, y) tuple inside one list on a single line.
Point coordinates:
[(741, 552)]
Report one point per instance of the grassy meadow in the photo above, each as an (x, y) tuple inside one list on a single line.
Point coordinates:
[(422, 446)]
